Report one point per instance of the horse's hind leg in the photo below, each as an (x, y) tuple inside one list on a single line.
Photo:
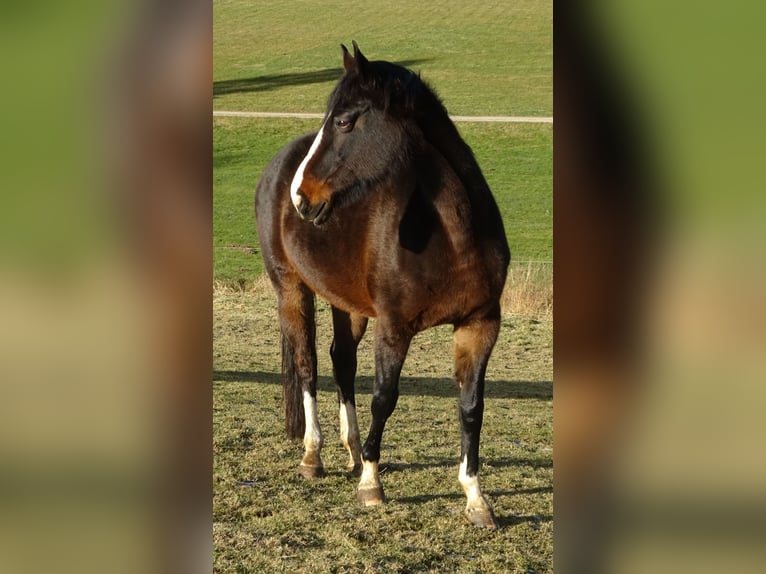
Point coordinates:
[(299, 372), (473, 342), (348, 331)]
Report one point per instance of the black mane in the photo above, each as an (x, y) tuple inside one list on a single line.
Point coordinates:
[(403, 94), (389, 87)]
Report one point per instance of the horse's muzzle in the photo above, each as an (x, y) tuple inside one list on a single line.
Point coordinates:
[(316, 213)]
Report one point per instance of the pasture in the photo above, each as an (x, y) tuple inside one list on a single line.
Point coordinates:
[(285, 56), (267, 518)]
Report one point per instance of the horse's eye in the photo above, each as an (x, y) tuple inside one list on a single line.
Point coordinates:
[(343, 124)]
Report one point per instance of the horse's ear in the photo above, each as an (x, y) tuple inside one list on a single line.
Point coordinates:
[(348, 60), (361, 61), (356, 62)]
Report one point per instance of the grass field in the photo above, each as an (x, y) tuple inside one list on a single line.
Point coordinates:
[(485, 58), (269, 519), (493, 58)]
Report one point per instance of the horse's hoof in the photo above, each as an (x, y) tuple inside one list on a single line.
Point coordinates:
[(311, 472), (481, 517), (371, 496)]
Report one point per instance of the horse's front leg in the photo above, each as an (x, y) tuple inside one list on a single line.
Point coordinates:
[(391, 345), (473, 342), (348, 331)]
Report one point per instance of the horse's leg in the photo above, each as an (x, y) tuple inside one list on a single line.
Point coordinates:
[(391, 345), (299, 372), (348, 331), (473, 342)]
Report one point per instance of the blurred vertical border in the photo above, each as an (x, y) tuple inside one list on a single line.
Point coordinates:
[(659, 322), (105, 286), (105, 283)]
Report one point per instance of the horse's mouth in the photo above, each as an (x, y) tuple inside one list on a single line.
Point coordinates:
[(322, 215), (316, 214)]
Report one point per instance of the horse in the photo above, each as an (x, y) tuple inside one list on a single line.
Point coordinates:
[(385, 214)]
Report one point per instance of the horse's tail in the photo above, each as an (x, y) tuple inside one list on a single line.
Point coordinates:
[(292, 393)]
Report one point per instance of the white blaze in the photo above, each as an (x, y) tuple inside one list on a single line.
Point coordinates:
[(298, 177)]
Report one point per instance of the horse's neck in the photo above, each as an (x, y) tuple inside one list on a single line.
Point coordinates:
[(442, 134)]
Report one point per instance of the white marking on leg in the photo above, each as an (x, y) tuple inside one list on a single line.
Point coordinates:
[(470, 484), (349, 433), (369, 475), (370, 491), (298, 177), (477, 509), (471, 487), (343, 416), (312, 438)]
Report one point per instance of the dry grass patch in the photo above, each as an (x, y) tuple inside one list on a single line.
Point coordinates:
[(529, 290)]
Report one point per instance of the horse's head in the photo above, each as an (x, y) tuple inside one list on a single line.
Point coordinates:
[(365, 135)]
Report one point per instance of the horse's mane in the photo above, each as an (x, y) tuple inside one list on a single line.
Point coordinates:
[(400, 91), (403, 93)]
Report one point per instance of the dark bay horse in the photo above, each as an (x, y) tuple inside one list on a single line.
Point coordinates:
[(384, 213)]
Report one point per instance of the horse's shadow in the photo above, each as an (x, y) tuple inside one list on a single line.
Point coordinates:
[(412, 386), (274, 81), (421, 498), (449, 463), (503, 521)]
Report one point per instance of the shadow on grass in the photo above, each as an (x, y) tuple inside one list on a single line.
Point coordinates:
[(530, 462), (413, 386), (534, 520), (247, 377), (503, 521), (274, 81), (457, 495)]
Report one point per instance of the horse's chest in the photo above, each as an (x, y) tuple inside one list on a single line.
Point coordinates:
[(336, 271)]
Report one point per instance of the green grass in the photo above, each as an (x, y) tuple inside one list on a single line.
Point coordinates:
[(266, 518), (483, 58), (516, 160), (241, 150)]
